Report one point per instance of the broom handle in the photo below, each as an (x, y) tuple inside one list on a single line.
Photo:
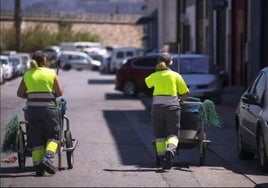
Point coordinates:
[(58, 66)]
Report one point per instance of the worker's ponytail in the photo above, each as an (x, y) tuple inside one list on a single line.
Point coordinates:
[(33, 64), (164, 61), (161, 66)]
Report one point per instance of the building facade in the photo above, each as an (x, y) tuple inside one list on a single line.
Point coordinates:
[(233, 32)]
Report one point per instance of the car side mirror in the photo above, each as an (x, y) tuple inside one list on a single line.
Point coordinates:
[(250, 98)]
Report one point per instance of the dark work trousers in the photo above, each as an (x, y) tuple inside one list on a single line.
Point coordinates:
[(166, 120), (43, 125)]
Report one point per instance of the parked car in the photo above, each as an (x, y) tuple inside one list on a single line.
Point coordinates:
[(77, 60), (118, 55), (53, 54), (8, 52), (198, 71), (7, 67), (2, 78), (19, 66), (251, 119), (26, 59)]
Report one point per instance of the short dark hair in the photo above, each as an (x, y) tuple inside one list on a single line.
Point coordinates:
[(39, 56), (164, 57)]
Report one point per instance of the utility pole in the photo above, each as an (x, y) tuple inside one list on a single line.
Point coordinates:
[(18, 18), (179, 31)]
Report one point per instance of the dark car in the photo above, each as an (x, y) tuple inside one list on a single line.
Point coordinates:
[(251, 120), (199, 73)]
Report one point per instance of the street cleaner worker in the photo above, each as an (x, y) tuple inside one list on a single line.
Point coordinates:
[(169, 91), (40, 86)]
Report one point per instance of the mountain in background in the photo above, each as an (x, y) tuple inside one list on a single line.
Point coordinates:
[(79, 6)]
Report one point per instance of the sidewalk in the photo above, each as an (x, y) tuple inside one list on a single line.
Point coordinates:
[(222, 138), (232, 94)]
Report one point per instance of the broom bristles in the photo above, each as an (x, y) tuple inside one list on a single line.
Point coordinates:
[(10, 139), (209, 114)]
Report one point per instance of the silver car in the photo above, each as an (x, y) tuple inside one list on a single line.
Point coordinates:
[(251, 120), (18, 64), (77, 60)]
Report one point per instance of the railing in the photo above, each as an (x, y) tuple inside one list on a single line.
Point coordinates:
[(71, 16)]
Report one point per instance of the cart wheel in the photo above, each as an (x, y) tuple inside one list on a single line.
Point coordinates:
[(21, 148), (203, 151), (157, 160), (69, 144), (60, 156), (61, 143)]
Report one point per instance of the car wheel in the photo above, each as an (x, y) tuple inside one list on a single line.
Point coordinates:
[(66, 67), (242, 153), (129, 88), (263, 159)]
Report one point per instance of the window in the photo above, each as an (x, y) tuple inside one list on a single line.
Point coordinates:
[(120, 55), (194, 66), (129, 53), (260, 87), (145, 62)]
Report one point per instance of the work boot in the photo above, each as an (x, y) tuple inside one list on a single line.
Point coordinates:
[(167, 160), (47, 163), (39, 170)]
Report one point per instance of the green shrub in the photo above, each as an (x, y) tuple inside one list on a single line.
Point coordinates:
[(39, 37)]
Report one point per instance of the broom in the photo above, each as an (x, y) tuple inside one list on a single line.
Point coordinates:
[(10, 140), (209, 114)]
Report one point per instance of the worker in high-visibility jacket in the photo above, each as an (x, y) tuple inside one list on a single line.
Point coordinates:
[(40, 86), (169, 91)]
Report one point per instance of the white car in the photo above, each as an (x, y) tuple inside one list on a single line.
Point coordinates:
[(119, 55), (7, 67), (26, 59), (77, 60), (2, 79)]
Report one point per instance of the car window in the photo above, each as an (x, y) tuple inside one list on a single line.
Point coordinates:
[(64, 56), (260, 87), (120, 55), (145, 62), (3, 61), (48, 50), (194, 65), (174, 65), (15, 61), (129, 53), (251, 88), (74, 57)]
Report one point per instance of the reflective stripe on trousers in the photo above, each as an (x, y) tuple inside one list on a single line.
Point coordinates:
[(39, 152), (164, 144)]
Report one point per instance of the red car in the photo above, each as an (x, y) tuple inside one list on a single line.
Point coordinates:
[(130, 77)]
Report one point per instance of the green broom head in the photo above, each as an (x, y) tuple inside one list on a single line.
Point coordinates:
[(209, 114), (10, 139)]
